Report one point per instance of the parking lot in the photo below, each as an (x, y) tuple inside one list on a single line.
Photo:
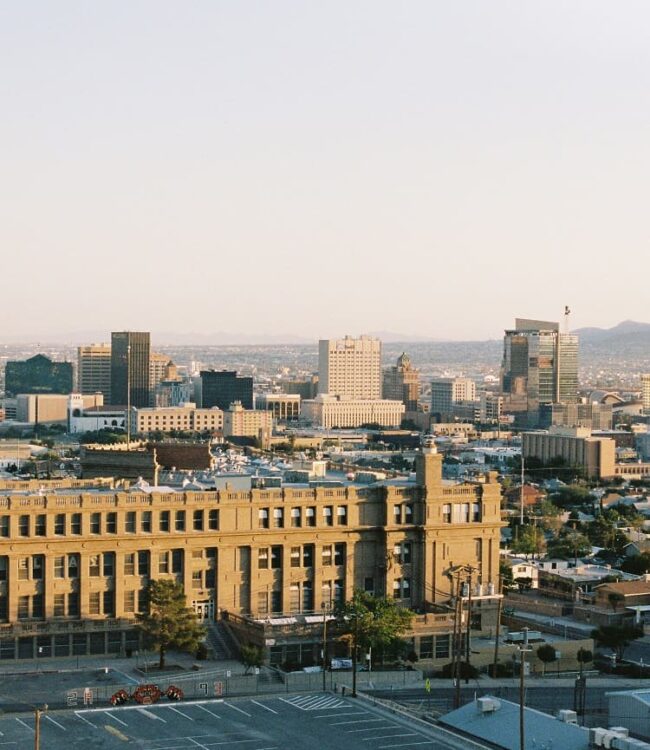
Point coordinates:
[(280, 723)]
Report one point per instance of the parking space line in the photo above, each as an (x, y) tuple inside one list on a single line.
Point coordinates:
[(406, 744), (261, 705), (389, 736), (197, 743), (119, 721), (20, 721), (358, 721), (231, 742), (172, 708), (49, 718), (374, 729), (336, 716), (83, 718), (225, 703), (207, 710), (151, 715)]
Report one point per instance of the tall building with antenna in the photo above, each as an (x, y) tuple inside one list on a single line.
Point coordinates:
[(540, 366), (130, 368)]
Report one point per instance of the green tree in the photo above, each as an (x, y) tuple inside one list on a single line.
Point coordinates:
[(639, 564), (616, 637), (252, 656), (570, 544), (584, 656), (368, 621), (546, 654), (529, 540), (168, 623), (550, 516)]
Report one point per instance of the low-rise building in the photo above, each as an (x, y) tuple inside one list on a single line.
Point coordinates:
[(285, 407), (341, 411), (40, 408), (254, 424), (184, 418), (594, 455)]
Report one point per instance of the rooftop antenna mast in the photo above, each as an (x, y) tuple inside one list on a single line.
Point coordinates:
[(567, 314)]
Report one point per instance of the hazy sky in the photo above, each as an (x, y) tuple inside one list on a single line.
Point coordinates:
[(316, 168)]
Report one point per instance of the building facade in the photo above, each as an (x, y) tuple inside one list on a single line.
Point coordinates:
[(402, 383), (540, 366), (221, 388), (40, 408), (350, 367), (337, 411), (185, 418), (130, 368), (256, 424), (594, 455), (76, 563), (448, 395), (285, 407), (94, 370)]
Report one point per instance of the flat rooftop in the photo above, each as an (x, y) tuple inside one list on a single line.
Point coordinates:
[(287, 722)]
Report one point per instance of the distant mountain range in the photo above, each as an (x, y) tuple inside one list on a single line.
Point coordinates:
[(628, 330)]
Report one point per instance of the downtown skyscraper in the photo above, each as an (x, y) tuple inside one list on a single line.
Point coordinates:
[(130, 368)]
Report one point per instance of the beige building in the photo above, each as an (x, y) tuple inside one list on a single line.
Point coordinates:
[(76, 563), (94, 370), (594, 455), (402, 383), (448, 394), (247, 423), (338, 411), (187, 417), (350, 367), (160, 368), (285, 407), (40, 408), (645, 392)]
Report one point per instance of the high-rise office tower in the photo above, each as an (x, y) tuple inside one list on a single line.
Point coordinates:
[(350, 367), (448, 394), (130, 367), (540, 366), (645, 393), (94, 370), (402, 383), (222, 388)]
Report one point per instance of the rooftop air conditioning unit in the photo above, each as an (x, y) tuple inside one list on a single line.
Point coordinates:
[(567, 716), (620, 731), (487, 705)]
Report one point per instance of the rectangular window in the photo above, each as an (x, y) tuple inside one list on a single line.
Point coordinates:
[(145, 522), (338, 591), (177, 561), (129, 564), (308, 556), (75, 524), (164, 521), (197, 520), (143, 563), (129, 522), (307, 596), (296, 520), (93, 566), (73, 604), (111, 523), (476, 512), (73, 566), (263, 558), (197, 579), (180, 520), (406, 553), (3, 568), (23, 608), (446, 513), (397, 514), (59, 524), (59, 605), (262, 603), (406, 588), (276, 557), (326, 595), (95, 523), (278, 518), (327, 554), (108, 566), (442, 646), (23, 569), (59, 566), (426, 647), (339, 553), (310, 516), (163, 562), (342, 515), (4, 526), (143, 601), (294, 598), (94, 600), (276, 602), (397, 588), (213, 519), (263, 518), (38, 567), (408, 513), (369, 585), (23, 525), (295, 557), (129, 601), (109, 603), (328, 520)]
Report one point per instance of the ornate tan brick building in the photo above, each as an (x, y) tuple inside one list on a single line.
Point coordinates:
[(75, 563)]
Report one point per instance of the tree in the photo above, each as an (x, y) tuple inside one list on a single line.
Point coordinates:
[(369, 621), (569, 544), (615, 598), (168, 622), (550, 516), (584, 656), (529, 540), (547, 655), (252, 656), (639, 564), (616, 637)]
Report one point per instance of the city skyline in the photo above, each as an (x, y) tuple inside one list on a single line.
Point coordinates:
[(400, 166)]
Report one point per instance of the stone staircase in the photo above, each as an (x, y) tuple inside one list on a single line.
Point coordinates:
[(222, 642)]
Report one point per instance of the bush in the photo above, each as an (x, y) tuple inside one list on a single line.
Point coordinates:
[(467, 671), (201, 652)]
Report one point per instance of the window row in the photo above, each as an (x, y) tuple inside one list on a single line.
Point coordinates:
[(65, 524), (461, 513), (275, 517)]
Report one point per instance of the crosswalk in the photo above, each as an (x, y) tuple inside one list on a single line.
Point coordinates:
[(315, 702)]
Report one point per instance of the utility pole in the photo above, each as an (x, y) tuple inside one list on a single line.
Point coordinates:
[(498, 630), (523, 650), (458, 640), (128, 397), (37, 726), (469, 620), (324, 649), (521, 492), (354, 654)]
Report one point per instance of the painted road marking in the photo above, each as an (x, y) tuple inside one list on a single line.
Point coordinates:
[(406, 744), (237, 709), (151, 715), (175, 710), (261, 705), (389, 736), (83, 718), (336, 716), (119, 721), (49, 718), (116, 732), (207, 710), (358, 721), (20, 721)]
